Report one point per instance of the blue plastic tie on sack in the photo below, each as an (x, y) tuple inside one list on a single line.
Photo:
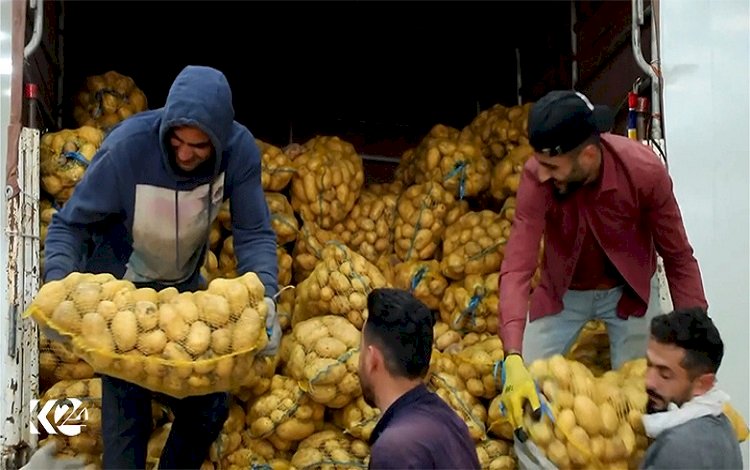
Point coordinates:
[(459, 169), (77, 156), (417, 278)]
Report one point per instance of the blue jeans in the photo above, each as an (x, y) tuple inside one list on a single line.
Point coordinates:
[(555, 334)]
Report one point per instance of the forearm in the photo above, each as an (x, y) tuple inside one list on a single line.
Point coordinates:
[(63, 250), (513, 308)]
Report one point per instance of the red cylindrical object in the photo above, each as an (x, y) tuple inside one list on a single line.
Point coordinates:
[(632, 100), (31, 91)]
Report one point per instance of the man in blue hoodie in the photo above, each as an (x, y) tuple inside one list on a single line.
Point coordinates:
[(143, 212)]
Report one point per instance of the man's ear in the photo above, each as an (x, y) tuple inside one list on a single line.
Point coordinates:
[(703, 383)]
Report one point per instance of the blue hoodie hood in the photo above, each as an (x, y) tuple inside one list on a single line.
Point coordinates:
[(199, 97)]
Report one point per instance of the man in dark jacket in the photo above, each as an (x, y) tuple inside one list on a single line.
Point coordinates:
[(685, 407), (145, 207), (417, 429)]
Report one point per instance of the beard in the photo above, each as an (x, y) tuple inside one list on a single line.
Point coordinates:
[(658, 404), (368, 394), (571, 187)]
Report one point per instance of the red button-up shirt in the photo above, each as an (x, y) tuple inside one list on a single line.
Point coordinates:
[(632, 212)]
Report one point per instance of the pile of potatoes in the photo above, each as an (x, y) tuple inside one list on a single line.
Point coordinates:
[(175, 343), (322, 355), (87, 444), (471, 305), (494, 454), (230, 437), (108, 99), (328, 180), (339, 285), (478, 366), (284, 415), (276, 167), (57, 362), (309, 248), (422, 213), (506, 174), (445, 156), (367, 229), (501, 129), (357, 419), (331, 449), (64, 157), (423, 279), (474, 244), (592, 348)]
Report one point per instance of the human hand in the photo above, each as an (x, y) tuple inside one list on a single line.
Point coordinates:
[(273, 329), (518, 389)]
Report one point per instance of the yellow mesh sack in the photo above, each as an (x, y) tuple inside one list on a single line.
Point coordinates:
[(76, 429), (179, 344), (357, 419), (107, 99), (276, 167), (57, 362), (495, 454), (471, 305), (331, 450), (328, 180), (64, 157), (475, 244), (367, 228), (423, 279), (451, 389), (339, 285)]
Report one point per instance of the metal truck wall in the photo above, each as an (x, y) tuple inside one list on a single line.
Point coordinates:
[(704, 49)]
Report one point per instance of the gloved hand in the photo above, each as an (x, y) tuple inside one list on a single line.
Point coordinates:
[(518, 388), (273, 329), (44, 459)]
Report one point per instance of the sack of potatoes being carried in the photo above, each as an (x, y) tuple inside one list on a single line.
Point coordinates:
[(180, 344)]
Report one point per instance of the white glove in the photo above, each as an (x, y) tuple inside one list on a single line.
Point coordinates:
[(44, 459), (273, 329)]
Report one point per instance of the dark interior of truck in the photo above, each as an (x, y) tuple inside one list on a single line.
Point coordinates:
[(379, 74)]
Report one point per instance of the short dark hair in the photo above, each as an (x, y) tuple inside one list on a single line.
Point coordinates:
[(692, 330), (401, 326)]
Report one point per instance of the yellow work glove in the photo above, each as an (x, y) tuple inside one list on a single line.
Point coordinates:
[(518, 389)]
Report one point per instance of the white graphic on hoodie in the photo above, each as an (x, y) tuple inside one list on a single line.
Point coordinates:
[(169, 230)]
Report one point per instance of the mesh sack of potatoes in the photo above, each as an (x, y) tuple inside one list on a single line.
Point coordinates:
[(262, 371), (324, 359), (308, 248), (285, 306), (497, 423), (276, 167), (597, 422), (77, 431), (454, 160), (256, 454), (367, 229), (283, 220), (330, 449), (227, 259), (501, 128), (107, 99), (339, 285), (179, 344), (632, 374), (423, 279), (285, 266), (443, 362), (216, 235), (357, 419), (474, 244), (328, 180), (58, 362), (451, 389), (494, 454), (471, 305), (506, 174), (406, 171), (284, 415), (422, 213), (155, 446), (444, 336), (394, 188), (591, 348), (478, 365), (230, 437), (210, 268), (64, 157)]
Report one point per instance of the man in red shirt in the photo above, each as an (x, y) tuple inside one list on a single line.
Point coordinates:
[(605, 206)]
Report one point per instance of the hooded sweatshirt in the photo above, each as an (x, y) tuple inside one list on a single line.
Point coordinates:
[(136, 215)]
